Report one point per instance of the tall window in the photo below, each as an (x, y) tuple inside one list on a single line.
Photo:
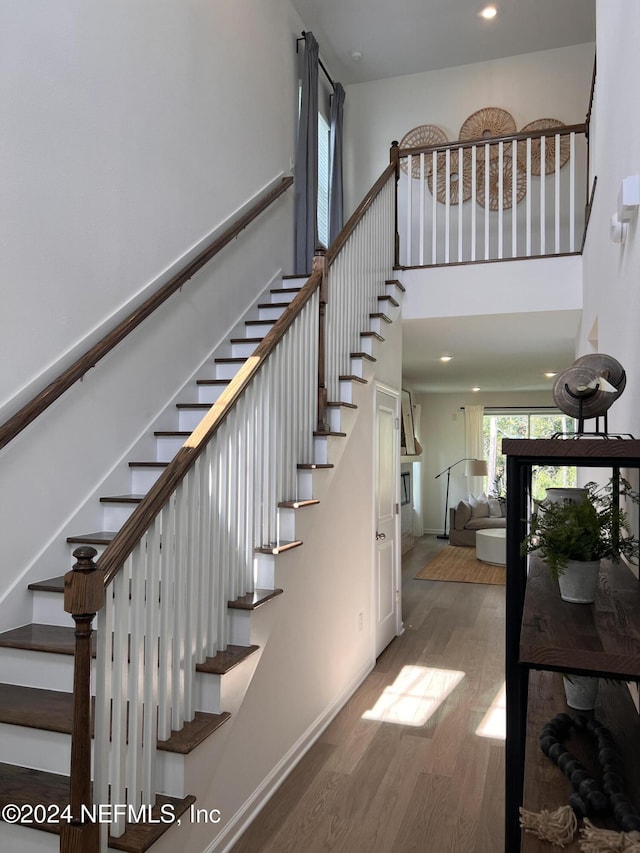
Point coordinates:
[(525, 425)]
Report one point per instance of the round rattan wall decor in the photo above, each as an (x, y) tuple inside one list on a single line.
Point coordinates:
[(454, 179), (549, 147), (487, 123), (420, 137), (507, 184)]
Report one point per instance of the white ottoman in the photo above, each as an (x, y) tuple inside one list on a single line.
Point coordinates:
[(491, 546)]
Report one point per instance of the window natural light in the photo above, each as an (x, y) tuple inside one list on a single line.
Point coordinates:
[(414, 696), (494, 722)]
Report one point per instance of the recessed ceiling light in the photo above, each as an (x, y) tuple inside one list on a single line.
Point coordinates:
[(550, 375), (476, 388), (356, 55), (488, 12), (446, 357)]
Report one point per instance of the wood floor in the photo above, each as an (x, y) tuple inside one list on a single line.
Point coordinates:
[(376, 787)]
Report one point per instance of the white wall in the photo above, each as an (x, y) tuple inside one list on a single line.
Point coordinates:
[(549, 84), (134, 131), (443, 439), (612, 271)]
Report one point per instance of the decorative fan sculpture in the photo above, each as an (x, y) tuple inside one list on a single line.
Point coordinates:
[(589, 387), (549, 147), (458, 185), (488, 123), (494, 184), (420, 137)]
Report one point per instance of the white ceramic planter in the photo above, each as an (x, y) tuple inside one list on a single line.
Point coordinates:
[(579, 581), (581, 691)]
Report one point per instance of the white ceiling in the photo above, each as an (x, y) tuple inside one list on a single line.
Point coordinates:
[(410, 36), (496, 353)]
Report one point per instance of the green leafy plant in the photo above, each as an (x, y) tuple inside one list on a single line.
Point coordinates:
[(595, 529)]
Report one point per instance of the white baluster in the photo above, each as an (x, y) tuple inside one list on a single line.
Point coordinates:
[(557, 194), (514, 199), (543, 203), (460, 199), (572, 192), (434, 208), (119, 687), (500, 196), (151, 631), (422, 203), (167, 609), (409, 204), (474, 177), (487, 217), (529, 226), (447, 203)]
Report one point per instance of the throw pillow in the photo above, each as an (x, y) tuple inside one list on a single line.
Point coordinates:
[(479, 506), (463, 515)]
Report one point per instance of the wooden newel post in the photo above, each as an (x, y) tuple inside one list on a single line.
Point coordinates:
[(83, 597), (394, 157), (320, 265)]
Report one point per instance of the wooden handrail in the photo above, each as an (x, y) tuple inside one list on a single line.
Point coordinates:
[(359, 212), (494, 140), (36, 406), (138, 523)]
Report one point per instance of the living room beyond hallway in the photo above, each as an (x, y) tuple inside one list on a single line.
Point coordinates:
[(431, 780)]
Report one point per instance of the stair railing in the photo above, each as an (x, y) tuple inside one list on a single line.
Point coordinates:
[(194, 543), (491, 199), (55, 389)]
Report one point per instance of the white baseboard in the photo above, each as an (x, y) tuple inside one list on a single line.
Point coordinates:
[(250, 808)]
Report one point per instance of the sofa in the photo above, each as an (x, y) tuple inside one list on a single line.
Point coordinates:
[(475, 514)]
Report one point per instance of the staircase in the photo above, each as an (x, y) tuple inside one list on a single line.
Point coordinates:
[(36, 660)]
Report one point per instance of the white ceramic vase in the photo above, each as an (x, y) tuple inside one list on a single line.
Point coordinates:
[(560, 494), (581, 691), (579, 581)]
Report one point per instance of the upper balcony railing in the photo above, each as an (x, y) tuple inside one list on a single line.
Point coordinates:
[(516, 196)]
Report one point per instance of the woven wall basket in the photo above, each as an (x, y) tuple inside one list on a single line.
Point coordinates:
[(487, 123), (507, 184), (549, 147), (419, 137), (454, 179)]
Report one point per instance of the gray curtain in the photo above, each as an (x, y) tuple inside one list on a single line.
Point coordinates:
[(306, 169), (335, 153)]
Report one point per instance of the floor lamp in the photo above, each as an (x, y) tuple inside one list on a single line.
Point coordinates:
[(474, 468)]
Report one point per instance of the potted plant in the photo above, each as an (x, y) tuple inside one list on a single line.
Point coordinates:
[(574, 536)]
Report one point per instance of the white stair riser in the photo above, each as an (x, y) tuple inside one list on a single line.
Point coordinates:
[(188, 419), (209, 393), (227, 371), (377, 324), (283, 297), (143, 478), (265, 566), (114, 515), (167, 447), (38, 669), (27, 840), (243, 350), (258, 330), (36, 748), (269, 313)]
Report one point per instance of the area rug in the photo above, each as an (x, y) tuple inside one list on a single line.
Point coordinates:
[(461, 565)]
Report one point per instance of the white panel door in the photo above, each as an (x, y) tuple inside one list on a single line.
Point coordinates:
[(386, 581)]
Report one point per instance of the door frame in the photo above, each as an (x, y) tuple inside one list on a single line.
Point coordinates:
[(395, 393)]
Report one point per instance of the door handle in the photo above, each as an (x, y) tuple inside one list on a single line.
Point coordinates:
[(380, 535)]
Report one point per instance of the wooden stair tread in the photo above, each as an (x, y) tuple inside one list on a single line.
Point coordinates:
[(224, 661), (376, 335), (231, 360), (50, 585), (321, 433), (388, 298), (246, 340), (273, 304), (101, 537), (286, 289), (397, 283), (278, 547), (341, 404), (302, 275), (121, 499), (364, 355), (378, 315), (148, 464), (54, 639), (259, 322), (254, 599), (172, 433), (34, 707), (139, 837), (193, 733), (25, 786), (311, 466), (193, 406), (352, 378), (213, 382), (298, 504)]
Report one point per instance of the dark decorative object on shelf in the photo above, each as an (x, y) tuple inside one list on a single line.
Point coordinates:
[(589, 388)]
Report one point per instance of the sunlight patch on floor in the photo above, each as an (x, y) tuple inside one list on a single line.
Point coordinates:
[(414, 696), (494, 722)]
